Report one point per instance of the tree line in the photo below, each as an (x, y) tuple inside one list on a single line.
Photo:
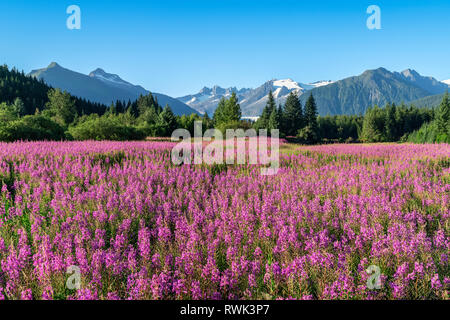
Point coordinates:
[(392, 123), (31, 110)]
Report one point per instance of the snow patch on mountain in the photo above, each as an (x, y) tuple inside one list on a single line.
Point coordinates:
[(251, 100), (287, 83), (446, 82)]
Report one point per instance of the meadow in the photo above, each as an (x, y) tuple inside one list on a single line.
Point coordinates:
[(139, 227)]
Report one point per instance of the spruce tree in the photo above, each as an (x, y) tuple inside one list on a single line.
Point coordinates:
[(390, 124), (219, 113), (292, 115), (311, 115), (263, 121), (232, 109), (167, 121), (274, 120), (443, 115), (61, 106)]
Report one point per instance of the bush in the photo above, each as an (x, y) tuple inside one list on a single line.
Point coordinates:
[(32, 128), (105, 128), (307, 135)]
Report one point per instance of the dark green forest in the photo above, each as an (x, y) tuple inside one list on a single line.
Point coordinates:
[(31, 110)]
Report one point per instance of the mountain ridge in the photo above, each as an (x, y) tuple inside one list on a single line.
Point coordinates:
[(102, 87), (252, 101), (351, 95)]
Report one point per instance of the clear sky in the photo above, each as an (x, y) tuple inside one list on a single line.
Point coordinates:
[(178, 46)]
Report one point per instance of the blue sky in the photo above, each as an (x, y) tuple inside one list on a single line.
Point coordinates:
[(178, 46)]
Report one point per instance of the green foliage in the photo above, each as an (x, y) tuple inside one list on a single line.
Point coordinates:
[(311, 119), (147, 103), (373, 125), (232, 110), (308, 135), (107, 127), (227, 115), (167, 122), (264, 121), (436, 131), (15, 84), (7, 113), (392, 123), (19, 107), (443, 116), (22, 95), (274, 120), (234, 125), (292, 117), (340, 128), (187, 122), (227, 111), (32, 128), (61, 107), (428, 133)]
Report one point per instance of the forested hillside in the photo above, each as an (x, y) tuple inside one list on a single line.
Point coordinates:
[(34, 93)]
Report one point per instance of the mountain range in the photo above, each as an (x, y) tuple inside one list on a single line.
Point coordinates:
[(102, 87), (352, 95), (252, 101)]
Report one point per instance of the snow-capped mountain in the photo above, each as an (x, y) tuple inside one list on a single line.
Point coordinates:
[(208, 98), (252, 101), (447, 82)]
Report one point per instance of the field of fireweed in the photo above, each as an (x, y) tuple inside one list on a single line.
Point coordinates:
[(139, 227)]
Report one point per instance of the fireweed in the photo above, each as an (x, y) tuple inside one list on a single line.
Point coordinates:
[(140, 227), (238, 147)]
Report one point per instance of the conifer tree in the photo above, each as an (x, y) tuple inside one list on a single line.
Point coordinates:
[(443, 115), (311, 114), (274, 120), (292, 115), (390, 124), (167, 121), (219, 113), (263, 121), (232, 109)]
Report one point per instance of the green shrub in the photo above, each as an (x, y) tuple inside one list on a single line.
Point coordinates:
[(307, 135), (105, 128), (32, 128)]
